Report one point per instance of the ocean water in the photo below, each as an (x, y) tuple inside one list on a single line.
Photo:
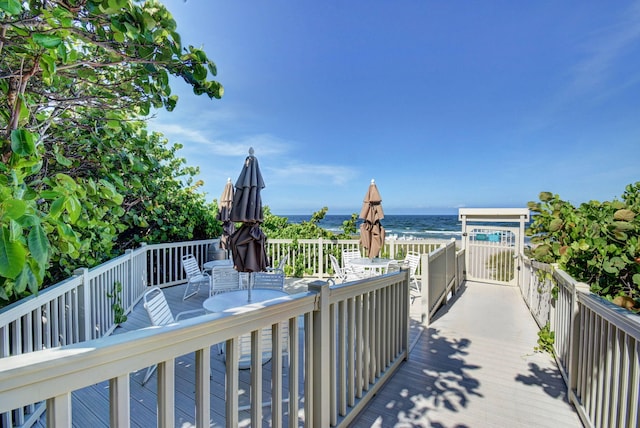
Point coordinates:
[(398, 226)]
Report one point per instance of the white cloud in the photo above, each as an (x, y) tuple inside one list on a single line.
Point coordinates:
[(303, 173), (263, 144), (605, 50)]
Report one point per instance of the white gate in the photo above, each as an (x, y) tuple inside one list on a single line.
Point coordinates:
[(492, 250)]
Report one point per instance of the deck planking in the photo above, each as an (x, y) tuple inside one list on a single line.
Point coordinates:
[(475, 366)]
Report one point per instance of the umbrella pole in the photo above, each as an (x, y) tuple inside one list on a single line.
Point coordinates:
[(249, 287)]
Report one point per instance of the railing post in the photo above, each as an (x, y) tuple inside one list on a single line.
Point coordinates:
[(424, 289), (129, 288), (320, 257), (321, 357), (85, 298), (574, 339)]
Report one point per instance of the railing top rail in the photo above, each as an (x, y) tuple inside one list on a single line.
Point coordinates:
[(347, 290), (77, 364), (182, 244), (108, 265), (13, 311), (355, 241), (620, 317)]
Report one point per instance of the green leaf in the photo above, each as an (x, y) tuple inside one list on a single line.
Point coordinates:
[(49, 194), (12, 256), (15, 230), (48, 41), (62, 160), (14, 208), (21, 282), (48, 66), (22, 142), (57, 206), (39, 244), (74, 208), (12, 7), (66, 181), (114, 124), (66, 232)]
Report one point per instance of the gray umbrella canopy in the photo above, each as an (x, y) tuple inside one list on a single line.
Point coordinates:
[(371, 231), (248, 242), (224, 215)]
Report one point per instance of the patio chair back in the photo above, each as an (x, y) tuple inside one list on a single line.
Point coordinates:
[(160, 314), (224, 278), (337, 270), (157, 307), (412, 259), (195, 276), (280, 267), (347, 256), (273, 281), (244, 343)]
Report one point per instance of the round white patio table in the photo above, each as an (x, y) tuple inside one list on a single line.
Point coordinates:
[(375, 265), (224, 302), (215, 263)]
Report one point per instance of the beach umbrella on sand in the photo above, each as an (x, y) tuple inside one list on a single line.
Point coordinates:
[(371, 231), (224, 215), (248, 242)]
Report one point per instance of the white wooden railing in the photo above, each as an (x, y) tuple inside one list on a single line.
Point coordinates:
[(361, 326), (353, 335), (442, 275), (81, 307), (597, 345), (313, 254)]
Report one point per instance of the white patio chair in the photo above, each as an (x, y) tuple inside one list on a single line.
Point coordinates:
[(412, 259), (224, 278), (244, 344), (160, 314), (195, 276), (347, 256), (273, 281), (343, 274), (393, 266), (280, 267)]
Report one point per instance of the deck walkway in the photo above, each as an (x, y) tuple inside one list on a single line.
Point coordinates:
[(475, 366)]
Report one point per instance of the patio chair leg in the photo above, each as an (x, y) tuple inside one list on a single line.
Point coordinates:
[(150, 371), (193, 293)]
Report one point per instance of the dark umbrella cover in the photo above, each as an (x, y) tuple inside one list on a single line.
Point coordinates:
[(248, 242), (371, 231), (224, 215)]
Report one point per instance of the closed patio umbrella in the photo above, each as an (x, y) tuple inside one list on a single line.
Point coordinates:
[(371, 231), (248, 242), (224, 215)]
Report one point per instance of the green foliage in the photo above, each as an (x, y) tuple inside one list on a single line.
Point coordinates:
[(116, 305), (501, 265), (279, 228), (596, 243), (81, 179), (546, 340), (544, 277)]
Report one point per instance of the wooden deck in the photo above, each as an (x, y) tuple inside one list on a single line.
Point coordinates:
[(473, 367)]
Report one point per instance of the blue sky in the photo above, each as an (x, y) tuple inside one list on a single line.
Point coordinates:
[(446, 104)]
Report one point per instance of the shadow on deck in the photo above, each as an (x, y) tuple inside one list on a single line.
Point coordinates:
[(474, 366)]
